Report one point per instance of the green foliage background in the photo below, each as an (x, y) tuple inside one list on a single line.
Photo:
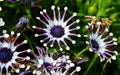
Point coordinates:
[(11, 13)]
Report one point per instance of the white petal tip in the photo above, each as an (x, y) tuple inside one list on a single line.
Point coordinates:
[(86, 42), (111, 34), (72, 64), (67, 48), (78, 69), (17, 70), (45, 44), (6, 35), (98, 23), (44, 10), (58, 8), (65, 8), (41, 41), (33, 26), (90, 50), (34, 72), (86, 27), (12, 32), (25, 41), (41, 12), (22, 66), (36, 35), (67, 57), (115, 43), (51, 45), (27, 58), (78, 27), (61, 49), (29, 50), (85, 35), (18, 34), (73, 42), (4, 31), (28, 67), (115, 52), (78, 35), (38, 18), (77, 21), (74, 14), (106, 29), (114, 57), (52, 7), (115, 39)]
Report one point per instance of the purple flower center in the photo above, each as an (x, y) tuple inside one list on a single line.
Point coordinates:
[(57, 31), (5, 55), (46, 64), (49, 66), (94, 45)]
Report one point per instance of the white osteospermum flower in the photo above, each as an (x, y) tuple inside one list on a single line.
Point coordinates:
[(57, 29), (8, 53), (99, 42)]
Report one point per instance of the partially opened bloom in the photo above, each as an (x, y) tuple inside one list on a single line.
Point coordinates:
[(57, 29), (52, 64), (100, 42), (9, 54), (22, 24), (22, 21)]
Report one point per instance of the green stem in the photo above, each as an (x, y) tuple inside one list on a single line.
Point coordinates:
[(29, 15), (118, 54), (85, 49), (104, 67), (91, 64), (28, 41)]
